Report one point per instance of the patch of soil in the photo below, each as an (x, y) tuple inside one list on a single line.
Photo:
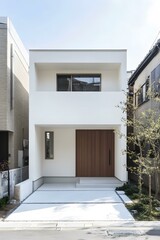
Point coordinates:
[(5, 211)]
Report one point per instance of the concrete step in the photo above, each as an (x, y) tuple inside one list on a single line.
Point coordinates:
[(101, 186), (110, 182)]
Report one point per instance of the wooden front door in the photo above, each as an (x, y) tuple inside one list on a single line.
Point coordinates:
[(94, 153)]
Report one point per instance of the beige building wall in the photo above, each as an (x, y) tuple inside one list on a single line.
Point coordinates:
[(13, 68), (3, 77)]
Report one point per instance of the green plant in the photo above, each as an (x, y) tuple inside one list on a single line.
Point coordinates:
[(156, 203), (129, 189), (122, 188), (134, 196), (3, 202)]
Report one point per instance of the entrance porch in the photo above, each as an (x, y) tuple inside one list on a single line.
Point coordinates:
[(78, 151)]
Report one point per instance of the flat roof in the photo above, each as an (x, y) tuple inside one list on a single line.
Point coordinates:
[(79, 50)]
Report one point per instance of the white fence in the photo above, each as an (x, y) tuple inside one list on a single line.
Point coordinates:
[(17, 175)]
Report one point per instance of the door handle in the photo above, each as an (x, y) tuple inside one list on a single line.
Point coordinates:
[(109, 157)]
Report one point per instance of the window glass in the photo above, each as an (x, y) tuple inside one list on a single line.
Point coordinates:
[(48, 145), (155, 80), (80, 82), (85, 83), (142, 94), (157, 72), (147, 88), (152, 76), (63, 83)]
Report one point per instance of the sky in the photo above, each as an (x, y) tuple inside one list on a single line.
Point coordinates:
[(87, 24)]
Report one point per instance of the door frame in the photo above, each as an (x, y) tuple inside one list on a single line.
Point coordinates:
[(111, 147)]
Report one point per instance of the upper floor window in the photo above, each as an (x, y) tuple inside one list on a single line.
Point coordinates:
[(141, 95), (155, 80), (79, 82)]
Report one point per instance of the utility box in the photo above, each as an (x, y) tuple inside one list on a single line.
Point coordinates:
[(20, 158)]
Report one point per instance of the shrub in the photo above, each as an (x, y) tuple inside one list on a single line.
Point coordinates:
[(3, 202), (129, 189)]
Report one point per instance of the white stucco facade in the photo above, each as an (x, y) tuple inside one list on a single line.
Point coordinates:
[(65, 112)]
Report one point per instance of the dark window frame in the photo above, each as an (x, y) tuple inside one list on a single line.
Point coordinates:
[(155, 80), (141, 96), (49, 145), (78, 75)]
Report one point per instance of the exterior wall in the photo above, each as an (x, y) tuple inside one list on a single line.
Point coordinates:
[(64, 112), (15, 119), (120, 156), (70, 61), (64, 153), (141, 80), (3, 77), (146, 72), (46, 79), (75, 108), (20, 94), (64, 162)]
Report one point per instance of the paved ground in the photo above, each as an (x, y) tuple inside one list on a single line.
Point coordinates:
[(67, 203), (109, 219)]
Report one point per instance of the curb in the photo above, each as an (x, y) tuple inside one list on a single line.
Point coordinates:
[(59, 225)]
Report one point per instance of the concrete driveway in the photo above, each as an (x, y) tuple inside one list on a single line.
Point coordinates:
[(64, 202)]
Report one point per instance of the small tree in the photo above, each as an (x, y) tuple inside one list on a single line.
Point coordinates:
[(143, 143)]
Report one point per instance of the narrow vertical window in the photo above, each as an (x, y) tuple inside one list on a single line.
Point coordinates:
[(48, 145)]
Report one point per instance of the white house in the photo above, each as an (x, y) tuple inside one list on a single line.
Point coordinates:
[(74, 117)]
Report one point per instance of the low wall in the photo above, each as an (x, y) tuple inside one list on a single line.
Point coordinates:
[(37, 183), (17, 175), (23, 190)]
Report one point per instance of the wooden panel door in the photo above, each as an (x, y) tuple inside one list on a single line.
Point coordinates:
[(94, 153)]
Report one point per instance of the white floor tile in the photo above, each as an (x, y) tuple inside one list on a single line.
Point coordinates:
[(69, 196), (70, 212), (61, 202)]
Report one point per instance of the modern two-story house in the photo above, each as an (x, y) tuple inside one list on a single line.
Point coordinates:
[(74, 119)]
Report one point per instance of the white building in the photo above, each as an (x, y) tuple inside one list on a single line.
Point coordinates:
[(74, 117)]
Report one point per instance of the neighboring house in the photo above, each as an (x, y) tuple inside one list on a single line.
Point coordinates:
[(145, 77), (74, 117), (14, 84)]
